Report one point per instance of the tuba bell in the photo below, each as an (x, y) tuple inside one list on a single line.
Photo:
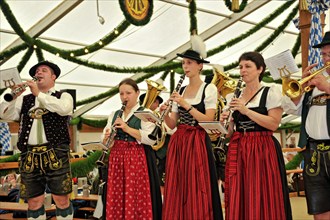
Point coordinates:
[(154, 88), (225, 85)]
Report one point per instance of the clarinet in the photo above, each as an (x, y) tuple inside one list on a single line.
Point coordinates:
[(111, 140), (157, 130), (237, 93), (10, 96)]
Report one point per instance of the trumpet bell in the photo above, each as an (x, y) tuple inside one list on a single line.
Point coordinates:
[(293, 88)]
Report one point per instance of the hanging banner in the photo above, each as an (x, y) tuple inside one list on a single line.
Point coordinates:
[(137, 12)]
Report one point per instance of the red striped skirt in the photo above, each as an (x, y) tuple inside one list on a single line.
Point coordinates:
[(187, 193), (253, 185), (128, 187)]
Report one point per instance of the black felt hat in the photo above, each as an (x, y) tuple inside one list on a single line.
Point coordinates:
[(141, 98), (54, 67), (325, 41), (191, 54)]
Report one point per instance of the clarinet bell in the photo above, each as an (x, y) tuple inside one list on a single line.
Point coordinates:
[(102, 160), (155, 133)]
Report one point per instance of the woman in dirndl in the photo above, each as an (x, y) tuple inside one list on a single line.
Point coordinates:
[(191, 188), (255, 177), (133, 189)]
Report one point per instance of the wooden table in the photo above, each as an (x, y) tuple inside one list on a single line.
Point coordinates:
[(3, 193), (15, 206), (91, 197)]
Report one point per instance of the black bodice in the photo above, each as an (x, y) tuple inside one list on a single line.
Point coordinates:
[(244, 124), (185, 117)]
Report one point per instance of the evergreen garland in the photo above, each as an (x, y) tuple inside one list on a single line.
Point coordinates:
[(253, 30), (193, 19), (10, 52), (24, 59), (295, 162), (272, 37)]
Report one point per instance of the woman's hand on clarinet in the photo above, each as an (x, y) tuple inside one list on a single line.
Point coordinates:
[(176, 97), (238, 105), (119, 123), (106, 135), (224, 116)]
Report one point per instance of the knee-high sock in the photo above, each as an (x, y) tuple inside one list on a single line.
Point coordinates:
[(36, 214), (64, 214)]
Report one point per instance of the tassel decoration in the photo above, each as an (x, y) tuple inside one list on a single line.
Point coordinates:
[(303, 5), (235, 5)]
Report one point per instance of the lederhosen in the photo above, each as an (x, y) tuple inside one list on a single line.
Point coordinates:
[(46, 163), (316, 159)]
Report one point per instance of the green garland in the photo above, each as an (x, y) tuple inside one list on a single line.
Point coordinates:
[(77, 52), (273, 36), (39, 54), (241, 6), (253, 30), (10, 52), (295, 162), (193, 19), (24, 59), (132, 20)]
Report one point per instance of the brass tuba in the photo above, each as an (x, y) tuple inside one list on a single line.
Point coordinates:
[(225, 85), (154, 88), (293, 88)]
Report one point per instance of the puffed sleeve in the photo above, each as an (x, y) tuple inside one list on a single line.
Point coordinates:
[(290, 107), (146, 129), (211, 97), (274, 98), (109, 124)]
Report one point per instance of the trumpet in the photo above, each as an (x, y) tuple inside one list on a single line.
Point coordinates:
[(237, 93), (10, 96), (111, 140), (157, 131), (293, 88)]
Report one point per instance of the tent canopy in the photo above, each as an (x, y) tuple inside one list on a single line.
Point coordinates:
[(74, 24)]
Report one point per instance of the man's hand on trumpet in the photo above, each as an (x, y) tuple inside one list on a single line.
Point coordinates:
[(320, 81)]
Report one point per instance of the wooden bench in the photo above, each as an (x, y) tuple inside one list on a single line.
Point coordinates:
[(296, 173)]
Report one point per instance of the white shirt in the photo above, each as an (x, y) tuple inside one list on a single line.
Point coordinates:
[(62, 106), (146, 127)]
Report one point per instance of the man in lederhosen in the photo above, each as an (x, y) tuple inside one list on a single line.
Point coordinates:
[(43, 140)]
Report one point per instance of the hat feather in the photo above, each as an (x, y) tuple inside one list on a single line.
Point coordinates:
[(198, 45)]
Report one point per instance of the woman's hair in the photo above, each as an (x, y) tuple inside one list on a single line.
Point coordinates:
[(257, 59), (131, 82)]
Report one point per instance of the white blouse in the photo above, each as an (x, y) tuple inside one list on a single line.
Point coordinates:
[(146, 127), (210, 100), (274, 98)]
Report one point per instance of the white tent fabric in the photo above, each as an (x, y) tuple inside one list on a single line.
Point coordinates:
[(166, 34)]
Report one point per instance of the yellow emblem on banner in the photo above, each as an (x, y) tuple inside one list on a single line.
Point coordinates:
[(138, 9)]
